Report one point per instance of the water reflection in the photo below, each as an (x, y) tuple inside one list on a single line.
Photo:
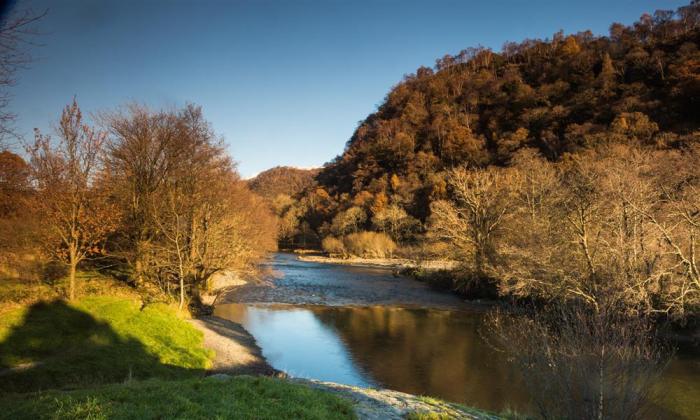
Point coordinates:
[(420, 351), (436, 352), (294, 340)]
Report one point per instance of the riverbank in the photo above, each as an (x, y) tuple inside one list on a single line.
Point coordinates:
[(397, 263), (235, 349), (221, 397), (234, 346), (96, 340), (117, 357), (385, 404)]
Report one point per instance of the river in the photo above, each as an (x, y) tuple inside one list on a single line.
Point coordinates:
[(365, 326)]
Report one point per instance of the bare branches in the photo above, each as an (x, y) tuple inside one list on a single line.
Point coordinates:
[(579, 362), (72, 202), (16, 33), (610, 222), (188, 214), (475, 216)]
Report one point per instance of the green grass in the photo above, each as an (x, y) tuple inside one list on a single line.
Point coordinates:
[(238, 397), (107, 356), (99, 339)]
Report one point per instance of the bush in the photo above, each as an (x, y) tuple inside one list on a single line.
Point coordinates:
[(583, 361), (333, 246), (369, 244)]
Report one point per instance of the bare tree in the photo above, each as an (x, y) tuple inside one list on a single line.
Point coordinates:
[(77, 211), (394, 221), (349, 221), (188, 212), (16, 32), (675, 218), (475, 216), (142, 150), (617, 219), (172, 216)]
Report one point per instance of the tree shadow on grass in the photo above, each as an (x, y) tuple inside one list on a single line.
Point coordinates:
[(59, 346)]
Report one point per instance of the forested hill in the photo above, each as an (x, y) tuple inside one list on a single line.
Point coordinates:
[(281, 180), (641, 83)]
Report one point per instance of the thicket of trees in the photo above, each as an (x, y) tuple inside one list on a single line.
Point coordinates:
[(621, 220), (282, 181), (152, 193)]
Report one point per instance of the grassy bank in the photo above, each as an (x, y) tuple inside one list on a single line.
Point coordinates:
[(97, 340), (113, 357), (237, 397), (108, 356)]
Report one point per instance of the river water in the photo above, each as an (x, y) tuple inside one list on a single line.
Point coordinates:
[(364, 326)]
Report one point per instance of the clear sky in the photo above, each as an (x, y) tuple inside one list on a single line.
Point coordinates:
[(284, 82)]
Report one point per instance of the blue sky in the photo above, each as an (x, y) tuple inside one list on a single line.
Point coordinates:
[(284, 82)]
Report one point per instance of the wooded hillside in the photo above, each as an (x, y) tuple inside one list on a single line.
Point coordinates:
[(641, 84)]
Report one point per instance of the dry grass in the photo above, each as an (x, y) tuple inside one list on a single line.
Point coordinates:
[(15, 293), (369, 245)]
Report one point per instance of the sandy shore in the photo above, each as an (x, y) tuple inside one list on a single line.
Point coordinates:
[(237, 353), (381, 262)]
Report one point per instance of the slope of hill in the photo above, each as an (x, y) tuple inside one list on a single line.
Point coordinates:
[(282, 180), (639, 84)]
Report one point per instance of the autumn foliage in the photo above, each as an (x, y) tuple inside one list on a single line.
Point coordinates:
[(558, 96), (150, 194)]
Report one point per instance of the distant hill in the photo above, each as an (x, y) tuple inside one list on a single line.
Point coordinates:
[(282, 180)]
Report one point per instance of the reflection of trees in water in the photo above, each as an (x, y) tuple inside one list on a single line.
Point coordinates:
[(427, 352)]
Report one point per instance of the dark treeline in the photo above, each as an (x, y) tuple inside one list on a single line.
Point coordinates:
[(149, 194)]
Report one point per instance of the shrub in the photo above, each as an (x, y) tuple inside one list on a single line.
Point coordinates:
[(583, 361), (333, 246), (369, 244)]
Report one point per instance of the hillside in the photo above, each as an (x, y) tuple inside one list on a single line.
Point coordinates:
[(638, 85), (281, 180)]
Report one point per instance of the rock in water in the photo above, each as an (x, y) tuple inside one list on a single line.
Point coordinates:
[(224, 278)]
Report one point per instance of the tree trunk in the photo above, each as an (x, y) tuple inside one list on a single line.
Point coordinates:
[(71, 279), (182, 288), (601, 384)]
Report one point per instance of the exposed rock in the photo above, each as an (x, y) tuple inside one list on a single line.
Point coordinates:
[(225, 278)]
